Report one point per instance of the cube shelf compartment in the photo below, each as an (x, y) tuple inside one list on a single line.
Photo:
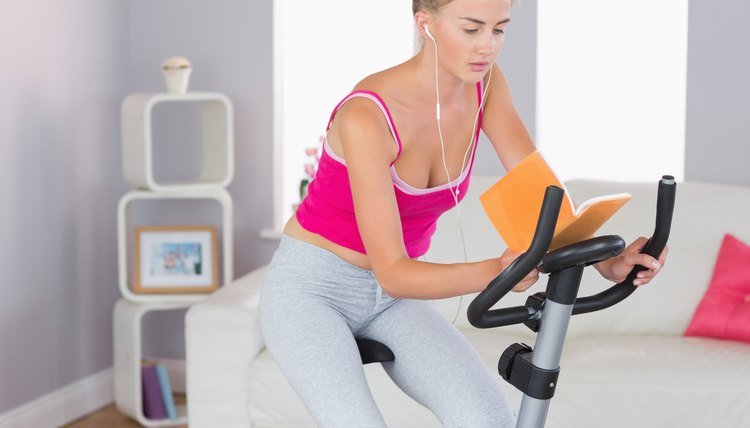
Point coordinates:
[(219, 195), (218, 140), (128, 320)]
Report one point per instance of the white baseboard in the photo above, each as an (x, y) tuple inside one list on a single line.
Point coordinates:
[(64, 405), (79, 399)]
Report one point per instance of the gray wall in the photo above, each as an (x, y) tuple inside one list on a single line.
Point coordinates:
[(718, 90), (518, 62), (229, 45), (63, 76), (66, 68)]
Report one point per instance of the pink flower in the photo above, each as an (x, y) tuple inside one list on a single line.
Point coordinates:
[(310, 170)]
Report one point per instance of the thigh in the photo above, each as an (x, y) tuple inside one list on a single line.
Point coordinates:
[(439, 368), (313, 346)]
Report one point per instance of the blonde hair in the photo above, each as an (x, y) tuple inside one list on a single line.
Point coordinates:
[(432, 6)]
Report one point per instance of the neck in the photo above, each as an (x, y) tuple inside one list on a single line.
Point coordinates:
[(452, 89)]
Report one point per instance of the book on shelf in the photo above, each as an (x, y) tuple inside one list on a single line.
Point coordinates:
[(166, 391), (153, 404), (514, 202)]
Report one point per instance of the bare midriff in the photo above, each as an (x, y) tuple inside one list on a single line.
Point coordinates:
[(295, 230)]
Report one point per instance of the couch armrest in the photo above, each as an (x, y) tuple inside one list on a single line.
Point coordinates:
[(222, 336)]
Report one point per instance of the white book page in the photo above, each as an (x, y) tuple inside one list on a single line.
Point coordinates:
[(562, 185), (581, 208), (596, 199)]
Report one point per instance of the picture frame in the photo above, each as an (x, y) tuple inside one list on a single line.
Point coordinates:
[(175, 259)]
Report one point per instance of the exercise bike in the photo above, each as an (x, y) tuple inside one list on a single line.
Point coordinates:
[(535, 371)]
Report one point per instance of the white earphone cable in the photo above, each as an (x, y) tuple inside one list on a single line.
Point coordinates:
[(472, 137)]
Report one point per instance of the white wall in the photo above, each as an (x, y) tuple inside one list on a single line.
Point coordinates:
[(611, 89)]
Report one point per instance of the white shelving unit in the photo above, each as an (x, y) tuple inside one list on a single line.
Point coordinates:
[(138, 168), (217, 141)]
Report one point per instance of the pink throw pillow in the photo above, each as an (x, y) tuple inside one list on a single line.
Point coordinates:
[(724, 311)]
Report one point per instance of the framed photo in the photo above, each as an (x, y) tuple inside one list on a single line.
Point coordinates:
[(175, 259)]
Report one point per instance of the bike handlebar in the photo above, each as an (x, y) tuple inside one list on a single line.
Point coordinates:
[(481, 316), (479, 312), (664, 209)]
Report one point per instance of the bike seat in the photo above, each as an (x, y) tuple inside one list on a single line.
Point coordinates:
[(372, 351)]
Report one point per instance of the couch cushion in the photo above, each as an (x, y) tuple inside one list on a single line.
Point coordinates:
[(612, 381), (273, 403), (724, 311), (652, 381)]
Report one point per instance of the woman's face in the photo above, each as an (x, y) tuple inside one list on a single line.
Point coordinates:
[(470, 34)]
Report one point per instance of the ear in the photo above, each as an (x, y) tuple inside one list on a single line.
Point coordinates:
[(421, 19)]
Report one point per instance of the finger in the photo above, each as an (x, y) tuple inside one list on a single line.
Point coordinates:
[(644, 260), (642, 281), (522, 286), (530, 279), (636, 246), (663, 256), (645, 276)]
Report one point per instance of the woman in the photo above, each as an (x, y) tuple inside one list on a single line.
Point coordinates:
[(348, 264)]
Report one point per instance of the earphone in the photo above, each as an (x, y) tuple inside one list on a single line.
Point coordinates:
[(456, 192), (427, 30)]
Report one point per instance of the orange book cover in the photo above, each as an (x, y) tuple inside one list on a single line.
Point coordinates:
[(513, 204)]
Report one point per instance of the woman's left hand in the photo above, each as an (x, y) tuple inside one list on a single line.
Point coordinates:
[(617, 268)]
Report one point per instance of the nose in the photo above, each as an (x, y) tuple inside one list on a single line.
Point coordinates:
[(488, 45)]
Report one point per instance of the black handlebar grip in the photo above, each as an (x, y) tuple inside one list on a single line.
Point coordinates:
[(655, 245), (478, 312)]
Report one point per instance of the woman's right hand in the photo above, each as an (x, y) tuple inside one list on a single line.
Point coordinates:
[(506, 259)]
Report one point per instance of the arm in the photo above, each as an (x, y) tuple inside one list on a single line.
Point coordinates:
[(512, 143), (369, 150), (502, 125)]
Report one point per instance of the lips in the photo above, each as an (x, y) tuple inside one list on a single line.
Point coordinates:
[(479, 66)]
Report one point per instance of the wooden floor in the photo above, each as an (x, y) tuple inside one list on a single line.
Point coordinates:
[(110, 417)]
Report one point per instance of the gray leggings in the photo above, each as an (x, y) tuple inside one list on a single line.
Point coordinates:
[(314, 303)]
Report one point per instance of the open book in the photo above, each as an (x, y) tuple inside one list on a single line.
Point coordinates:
[(514, 202)]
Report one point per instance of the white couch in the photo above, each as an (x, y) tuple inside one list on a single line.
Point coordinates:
[(627, 366)]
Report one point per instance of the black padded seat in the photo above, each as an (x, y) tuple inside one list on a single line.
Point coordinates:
[(372, 351)]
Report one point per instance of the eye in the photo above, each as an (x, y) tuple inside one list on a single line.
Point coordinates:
[(471, 30), (498, 31)]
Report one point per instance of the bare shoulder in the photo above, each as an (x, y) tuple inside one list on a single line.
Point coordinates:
[(360, 122), (358, 117), (386, 83), (361, 127)]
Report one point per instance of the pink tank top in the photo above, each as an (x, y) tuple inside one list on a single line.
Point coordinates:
[(328, 209)]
